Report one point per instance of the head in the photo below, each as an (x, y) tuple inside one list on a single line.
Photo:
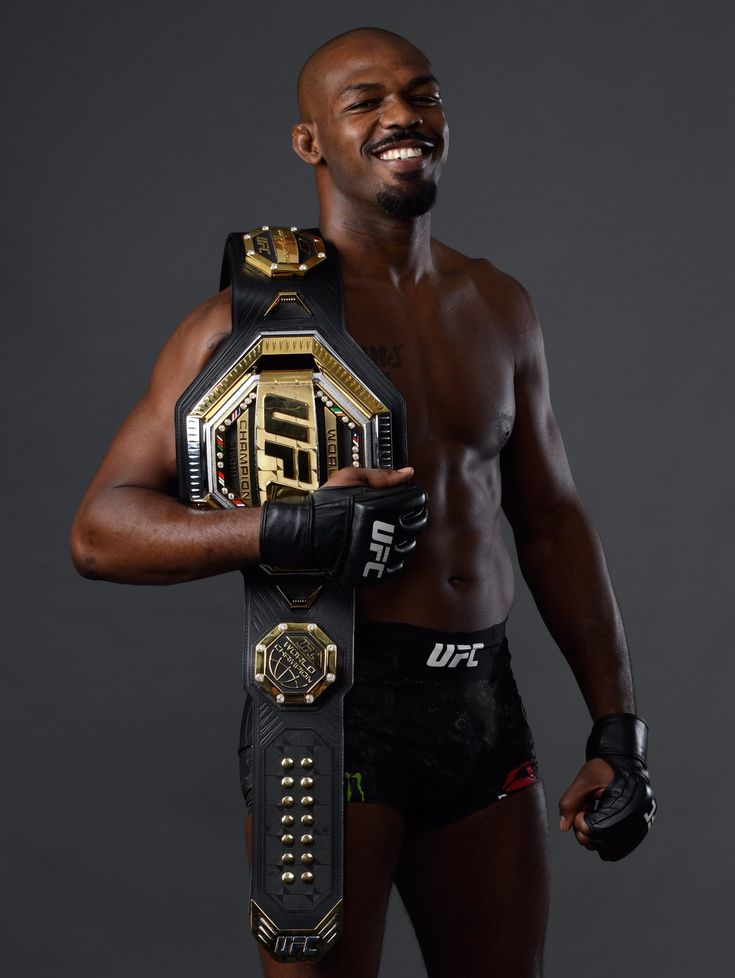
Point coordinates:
[(372, 123)]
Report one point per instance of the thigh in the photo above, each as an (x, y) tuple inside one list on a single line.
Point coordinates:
[(373, 839), (477, 890)]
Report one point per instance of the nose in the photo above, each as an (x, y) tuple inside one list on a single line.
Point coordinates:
[(399, 114)]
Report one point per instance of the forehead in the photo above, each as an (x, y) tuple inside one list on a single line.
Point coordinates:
[(373, 60)]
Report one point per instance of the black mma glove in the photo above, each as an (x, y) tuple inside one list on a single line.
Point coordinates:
[(622, 816), (357, 534)]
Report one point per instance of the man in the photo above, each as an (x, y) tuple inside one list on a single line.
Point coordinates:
[(467, 354)]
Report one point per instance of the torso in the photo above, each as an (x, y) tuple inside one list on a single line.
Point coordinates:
[(449, 345), (449, 349)]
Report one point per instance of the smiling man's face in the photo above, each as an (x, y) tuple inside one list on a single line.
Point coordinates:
[(375, 111)]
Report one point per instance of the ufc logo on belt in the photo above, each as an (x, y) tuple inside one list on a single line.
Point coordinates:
[(382, 538), (293, 944)]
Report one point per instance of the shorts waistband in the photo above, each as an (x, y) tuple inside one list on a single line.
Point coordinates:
[(400, 652)]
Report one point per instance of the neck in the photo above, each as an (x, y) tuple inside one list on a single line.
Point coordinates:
[(375, 245)]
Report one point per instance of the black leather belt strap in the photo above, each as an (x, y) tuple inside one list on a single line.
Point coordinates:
[(287, 400)]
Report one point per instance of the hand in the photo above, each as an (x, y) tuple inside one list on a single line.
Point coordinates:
[(614, 817), (373, 478), (358, 527), (589, 785)]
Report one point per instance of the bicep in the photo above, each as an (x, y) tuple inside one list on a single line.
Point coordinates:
[(143, 452), (536, 477)]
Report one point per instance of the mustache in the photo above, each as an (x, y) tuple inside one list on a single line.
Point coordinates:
[(402, 137)]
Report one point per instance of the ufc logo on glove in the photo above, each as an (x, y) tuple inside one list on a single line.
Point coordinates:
[(382, 539)]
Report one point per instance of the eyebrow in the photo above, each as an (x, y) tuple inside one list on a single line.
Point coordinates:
[(362, 87)]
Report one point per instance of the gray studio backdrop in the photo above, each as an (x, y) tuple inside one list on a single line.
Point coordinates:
[(591, 157)]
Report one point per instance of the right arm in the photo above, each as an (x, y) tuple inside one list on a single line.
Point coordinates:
[(131, 527)]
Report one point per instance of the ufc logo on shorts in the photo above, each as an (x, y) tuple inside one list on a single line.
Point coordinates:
[(293, 944), (452, 655), (382, 538)]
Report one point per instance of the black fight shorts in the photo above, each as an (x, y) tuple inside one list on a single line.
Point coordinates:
[(433, 723)]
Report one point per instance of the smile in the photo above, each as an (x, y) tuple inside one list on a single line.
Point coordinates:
[(404, 153)]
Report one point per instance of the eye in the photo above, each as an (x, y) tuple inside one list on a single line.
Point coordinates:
[(369, 103), (433, 99)]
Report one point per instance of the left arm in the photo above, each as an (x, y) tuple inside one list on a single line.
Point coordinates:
[(562, 560), (559, 552)]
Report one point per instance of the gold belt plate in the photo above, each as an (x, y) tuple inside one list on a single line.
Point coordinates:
[(261, 431), (277, 251)]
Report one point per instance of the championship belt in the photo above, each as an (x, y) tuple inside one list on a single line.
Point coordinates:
[(285, 402)]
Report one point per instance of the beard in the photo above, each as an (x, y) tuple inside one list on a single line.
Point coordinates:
[(413, 199)]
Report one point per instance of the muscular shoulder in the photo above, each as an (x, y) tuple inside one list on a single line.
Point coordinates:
[(202, 331), (192, 343), (506, 302)]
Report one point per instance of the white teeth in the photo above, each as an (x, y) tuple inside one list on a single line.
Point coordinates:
[(404, 153)]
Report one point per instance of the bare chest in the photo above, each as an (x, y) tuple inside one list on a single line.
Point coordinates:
[(453, 364)]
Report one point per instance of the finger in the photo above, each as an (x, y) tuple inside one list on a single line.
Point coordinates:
[(630, 835), (581, 826), (415, 520), (345, 478), (584, 840), (572, 802), (590, 782), (619, 810), (374, 478), (382, 478), (572, 807), (404, 546), (393, 568), (612, 852)]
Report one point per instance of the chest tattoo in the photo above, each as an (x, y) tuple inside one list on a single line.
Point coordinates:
[(384, 356)]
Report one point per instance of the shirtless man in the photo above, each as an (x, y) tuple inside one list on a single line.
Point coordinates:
[(481, 434)]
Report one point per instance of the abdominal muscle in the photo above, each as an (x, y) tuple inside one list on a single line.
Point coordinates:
[(458, 578)]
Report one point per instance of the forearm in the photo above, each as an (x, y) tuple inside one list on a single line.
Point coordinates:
[(564, 566), (134, 535)]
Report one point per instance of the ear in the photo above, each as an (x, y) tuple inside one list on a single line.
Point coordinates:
[(305, 144)]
